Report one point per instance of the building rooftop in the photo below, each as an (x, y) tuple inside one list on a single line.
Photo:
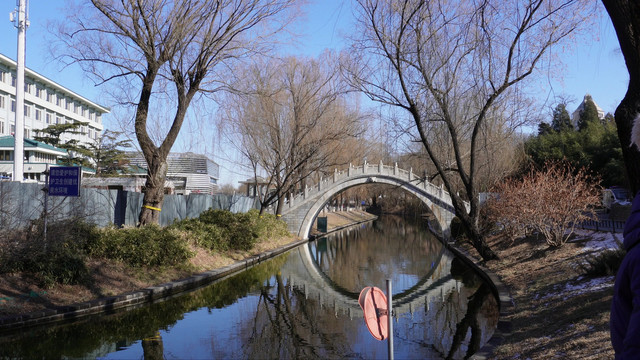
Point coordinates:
[(8, 143), (34, 75)]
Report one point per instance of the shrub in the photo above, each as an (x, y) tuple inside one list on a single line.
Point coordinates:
[(59, 259), (149, 245), (223, 230), (237, 229), (208, 236), (550, 202)]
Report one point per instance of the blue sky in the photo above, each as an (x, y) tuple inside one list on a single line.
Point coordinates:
[(595, 66)]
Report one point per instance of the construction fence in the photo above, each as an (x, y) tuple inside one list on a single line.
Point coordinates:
[(21, 203)]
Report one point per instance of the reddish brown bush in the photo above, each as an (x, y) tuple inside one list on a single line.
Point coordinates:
[(550, 202)]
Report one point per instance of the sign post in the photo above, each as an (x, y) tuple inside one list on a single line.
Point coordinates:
[(61, 181), (390, 320)]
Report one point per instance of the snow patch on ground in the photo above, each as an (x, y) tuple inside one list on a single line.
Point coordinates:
[(579, 287), (598, 240)]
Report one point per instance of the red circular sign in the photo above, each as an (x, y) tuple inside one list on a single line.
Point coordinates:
[(374, 304)]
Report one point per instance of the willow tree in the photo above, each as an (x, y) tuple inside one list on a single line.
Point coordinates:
[(452, 67), (291, 119), (179, 48)]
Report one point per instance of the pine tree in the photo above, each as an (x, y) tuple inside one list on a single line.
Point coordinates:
[(561, 119), (76, 151), (107, 156), (544, 129), (588, 114)]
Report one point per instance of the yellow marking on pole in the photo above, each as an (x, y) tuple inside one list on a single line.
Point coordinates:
[(152, 208)]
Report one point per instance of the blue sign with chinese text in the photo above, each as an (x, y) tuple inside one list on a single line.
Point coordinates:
[(64, 181)]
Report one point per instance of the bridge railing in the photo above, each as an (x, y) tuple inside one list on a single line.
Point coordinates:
[(371, 170)]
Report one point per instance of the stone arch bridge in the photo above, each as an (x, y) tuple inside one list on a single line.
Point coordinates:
[(301, 210)]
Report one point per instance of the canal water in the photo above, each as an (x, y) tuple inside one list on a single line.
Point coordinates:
[(302, 304)]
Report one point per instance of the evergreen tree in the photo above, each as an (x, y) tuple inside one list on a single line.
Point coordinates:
[(76, 152), (106, 154), (596, 147), (588, 114), (544, 128), (561, 119), (609, 118)]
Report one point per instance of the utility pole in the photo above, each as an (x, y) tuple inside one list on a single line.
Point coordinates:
[(21, 22)]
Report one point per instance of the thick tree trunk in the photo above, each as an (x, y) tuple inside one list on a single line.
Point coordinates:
[(154, 191), (280, 204), (625, 16), (480, 244)]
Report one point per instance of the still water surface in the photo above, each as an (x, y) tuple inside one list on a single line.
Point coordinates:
[(302, 304)]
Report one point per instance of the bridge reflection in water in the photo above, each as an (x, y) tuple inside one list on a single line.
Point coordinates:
[(431, 287), (299, 305)]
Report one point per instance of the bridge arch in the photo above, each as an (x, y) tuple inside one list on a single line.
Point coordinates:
[(302, 210)]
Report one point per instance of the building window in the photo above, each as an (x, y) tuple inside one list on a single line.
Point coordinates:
[(58, 100), (1, 127), (58, 120), (38, 114), (27, 111), (27, 87), (99, 119), (13, 129), (13, 80), (13, 106), (48, 118), (1, 102), (66, 103), (27, 132), (49, 96), (38, 92)]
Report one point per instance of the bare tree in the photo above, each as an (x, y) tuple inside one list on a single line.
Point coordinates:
[(290, 118), (625, 16), (452, 67), (177, 48)]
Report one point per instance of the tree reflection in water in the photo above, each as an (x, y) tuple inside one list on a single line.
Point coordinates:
[(288, 326)]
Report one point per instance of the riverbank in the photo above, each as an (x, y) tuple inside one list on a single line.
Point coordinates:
[(111, 282), (341, 219), (558, 312)]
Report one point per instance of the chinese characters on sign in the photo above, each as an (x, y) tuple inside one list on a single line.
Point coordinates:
[(64, 181)]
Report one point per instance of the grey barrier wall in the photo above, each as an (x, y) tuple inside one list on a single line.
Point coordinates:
[(21, 203)]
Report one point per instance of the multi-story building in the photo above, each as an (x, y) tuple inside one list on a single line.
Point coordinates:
[(38, 157), (46, 103), (187, 172)]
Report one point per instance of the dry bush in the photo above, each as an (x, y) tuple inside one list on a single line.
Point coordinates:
[(551, 202)]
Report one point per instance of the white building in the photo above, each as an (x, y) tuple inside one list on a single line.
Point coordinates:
[(575, 117), (187, 172), (46, 103)]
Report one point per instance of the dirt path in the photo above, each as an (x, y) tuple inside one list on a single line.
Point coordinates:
[(559, 313)]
